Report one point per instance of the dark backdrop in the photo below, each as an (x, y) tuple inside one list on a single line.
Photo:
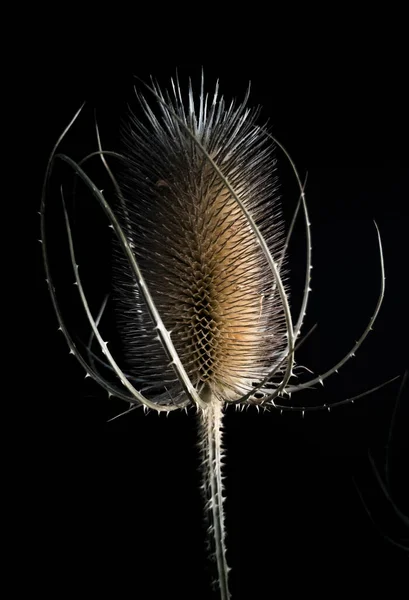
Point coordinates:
[(118, 503)]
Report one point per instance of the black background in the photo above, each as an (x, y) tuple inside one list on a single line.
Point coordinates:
[(117, 504)]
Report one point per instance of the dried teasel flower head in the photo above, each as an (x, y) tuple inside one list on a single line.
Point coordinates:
[(203, 264), (200, 291)]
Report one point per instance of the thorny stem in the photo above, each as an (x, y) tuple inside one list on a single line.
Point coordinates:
[(210, 435)]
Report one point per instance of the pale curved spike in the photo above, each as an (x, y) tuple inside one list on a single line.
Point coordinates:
[(320, 378), (125, 412), (43, 196), (329, 406), (301, 186), (100, 153), (51, 159), (91, 355)]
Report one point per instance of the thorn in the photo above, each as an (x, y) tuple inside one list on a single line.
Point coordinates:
[(302, 414), (41, 241), (72, 351), (87, 375), (59, 329)]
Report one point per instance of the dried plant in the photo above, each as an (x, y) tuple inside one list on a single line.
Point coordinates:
[(200, 280)]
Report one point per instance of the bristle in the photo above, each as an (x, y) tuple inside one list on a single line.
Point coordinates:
[(202, 263)]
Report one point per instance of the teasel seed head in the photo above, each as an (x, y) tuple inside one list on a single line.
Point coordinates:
[(203, 264)]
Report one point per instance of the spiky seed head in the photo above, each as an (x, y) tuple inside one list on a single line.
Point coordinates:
[(198, 254)]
